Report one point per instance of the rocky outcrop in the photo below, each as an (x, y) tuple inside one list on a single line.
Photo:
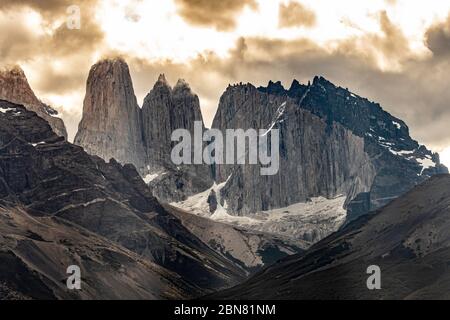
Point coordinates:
[(84, 202), (113, 126), (111, 123), (164, 111), (157, 115), (14, 87)]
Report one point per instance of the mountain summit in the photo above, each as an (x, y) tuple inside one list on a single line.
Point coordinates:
[(113, 126), (111, 123), (14, 87)]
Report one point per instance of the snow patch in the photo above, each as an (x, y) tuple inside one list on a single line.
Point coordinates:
[(398, 125), (425, 163), (279, 113), (198, 203), (309, 221), (39, 143), (16, 112), (402, 153), (152, 176)]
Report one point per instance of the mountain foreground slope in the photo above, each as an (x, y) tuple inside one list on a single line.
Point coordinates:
[(409, 239), (60, 205)]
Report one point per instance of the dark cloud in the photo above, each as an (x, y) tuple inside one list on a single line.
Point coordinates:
[(48, 8), (220, 14), (62, 40), (438, 38), (295, 14)]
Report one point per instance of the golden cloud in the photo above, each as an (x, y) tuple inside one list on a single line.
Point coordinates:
[(295, 14), (220, 14)]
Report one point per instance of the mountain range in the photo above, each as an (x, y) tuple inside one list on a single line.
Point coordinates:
[(60, 206), (336, 148), (353, 189)]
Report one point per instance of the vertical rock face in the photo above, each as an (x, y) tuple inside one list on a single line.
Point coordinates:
[(157, 119), (164, 111), (111, 123), (332, 143), (315, 160), (14, 87), (400, 162), (113, 126)]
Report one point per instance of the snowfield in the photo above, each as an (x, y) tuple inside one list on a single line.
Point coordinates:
[(310, 221)]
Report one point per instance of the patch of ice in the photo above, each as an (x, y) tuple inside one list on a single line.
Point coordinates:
[(398, 125), (425, 163), (198, 203), (310, 221), (279, 113), (39, 143), (152, 176), (402, 153), (16, 112)]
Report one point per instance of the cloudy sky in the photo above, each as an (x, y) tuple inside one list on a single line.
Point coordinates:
[(396, 52)]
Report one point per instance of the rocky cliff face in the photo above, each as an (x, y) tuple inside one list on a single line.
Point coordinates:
[(332, 143), (14, 87), (111, 123), (341, 156), (315, 159), (165, 110), (400, 162), (74, 208), (113, 126)]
